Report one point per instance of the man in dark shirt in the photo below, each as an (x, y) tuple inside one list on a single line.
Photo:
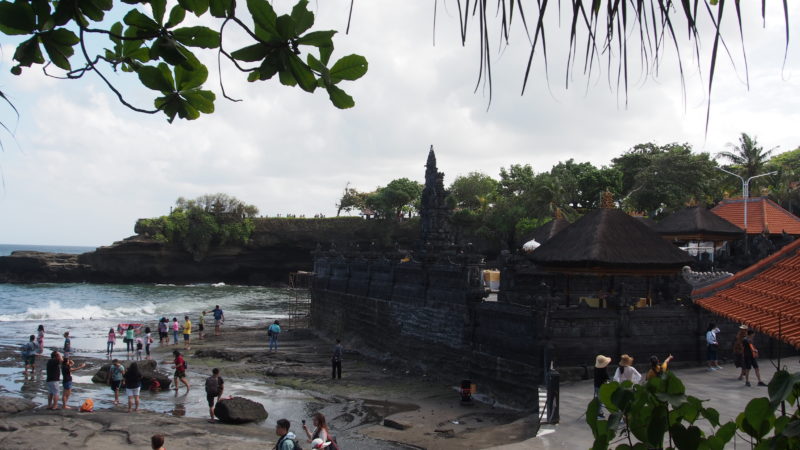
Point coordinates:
[(53, 377), (336, 361)]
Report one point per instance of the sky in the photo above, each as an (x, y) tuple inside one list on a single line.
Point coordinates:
[(80, 168)]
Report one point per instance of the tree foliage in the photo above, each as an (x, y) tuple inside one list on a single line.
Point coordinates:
[(197, 225), (748, 158), (158, 46)]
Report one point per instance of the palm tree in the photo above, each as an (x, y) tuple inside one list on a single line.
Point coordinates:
[(749, 157)]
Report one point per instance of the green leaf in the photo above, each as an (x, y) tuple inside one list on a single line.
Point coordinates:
[(711, 415), (58, 44), (317, 39), (221, 8), (155, 78), (263, 16), (268, 69), (339, 98), (199, 36), (792, 429), (62, 36), (198, 7), (190, 79), (303, 18), (686, 437), (28, 52), (325, 54), (16, 18), (136, 19), (353, 67), (304, 76), (169, 50), (781, 386), (202, 101), (159, 7), (176, 16), (756, 410), (64, 11), (726, 432), (94, 9), (607, 390), (286, 78), (41, 9), (286, 28), (251, 53)]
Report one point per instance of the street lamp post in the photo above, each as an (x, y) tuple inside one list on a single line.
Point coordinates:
[(746, 196)]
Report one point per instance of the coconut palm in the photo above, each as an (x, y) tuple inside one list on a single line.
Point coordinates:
[(749, 157)]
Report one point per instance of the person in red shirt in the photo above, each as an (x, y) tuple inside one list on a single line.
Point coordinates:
[(180, 371)]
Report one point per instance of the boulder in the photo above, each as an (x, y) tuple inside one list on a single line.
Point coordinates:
[(11, 405), (389, 423), (237, 410)]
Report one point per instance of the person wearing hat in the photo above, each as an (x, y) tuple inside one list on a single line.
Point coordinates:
[(713, 346), (626, 371), (600, 376), (738, 349), (319, 443)]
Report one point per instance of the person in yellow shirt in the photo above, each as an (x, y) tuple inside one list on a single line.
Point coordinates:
[(656, 367), (187, 332)]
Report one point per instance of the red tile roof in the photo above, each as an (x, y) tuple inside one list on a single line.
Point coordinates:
[(765, 296), (762, 215)]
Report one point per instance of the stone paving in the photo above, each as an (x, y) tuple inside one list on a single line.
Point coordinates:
[(721, 388)]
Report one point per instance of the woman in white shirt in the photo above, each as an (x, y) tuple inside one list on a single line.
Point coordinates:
[(626, 371)]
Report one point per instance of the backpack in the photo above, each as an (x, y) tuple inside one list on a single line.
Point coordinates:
[(295, 441), (334, 445), (212, 385), (25, 349), (87, 406), (269, 331)]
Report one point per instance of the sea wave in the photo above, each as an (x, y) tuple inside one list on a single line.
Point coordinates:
[(56, 311)]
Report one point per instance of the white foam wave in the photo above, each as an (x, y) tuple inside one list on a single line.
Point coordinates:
[(54, 310)]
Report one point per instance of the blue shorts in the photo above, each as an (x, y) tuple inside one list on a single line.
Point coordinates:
[(186, 337), (67, 385), (712, 353)]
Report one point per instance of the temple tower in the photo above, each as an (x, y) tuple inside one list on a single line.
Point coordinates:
[(435, 215)]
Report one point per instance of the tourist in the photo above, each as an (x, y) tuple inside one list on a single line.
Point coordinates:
[(133, 385), (129, 333), (214, 387), (139, 348), (219, 318), (179, 364), (66, 379), (750, 358), (29, 350), (175, 328), (40, 339), (286, 439), (67, 345), (272, 332), (187, 332), (738, 350), (148, 339), (114, 378), (600, 377), (112, 339), (336, 360), (162, 331), (157, 442), (626, 371), (657, 368), (713, 346), (53, 377), (201, 325), (321, 430)]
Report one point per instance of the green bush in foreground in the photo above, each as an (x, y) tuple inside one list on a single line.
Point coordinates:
[(659, 414)]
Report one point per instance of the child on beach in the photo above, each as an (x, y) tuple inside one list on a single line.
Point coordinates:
[(66, 379), (148, 339), (115, 374), (175, 328), (67, 345), (139, 347), (40, 339), (112, 339)]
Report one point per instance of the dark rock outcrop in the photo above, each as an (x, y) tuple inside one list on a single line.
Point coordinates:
[(39, 267), (12, 405), (238, 410), (148, 369)]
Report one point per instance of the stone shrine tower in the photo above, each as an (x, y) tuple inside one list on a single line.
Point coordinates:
[(435, 214)]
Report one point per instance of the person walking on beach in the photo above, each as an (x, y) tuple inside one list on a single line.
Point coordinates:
[(162, 331), (600, 377), (133, 385), (219, 318), (175, 328), (336, 360), (115, 376), (112, 339), (272, 332), (321, 430), (751, 358), (738, 350), (66, 379), (67, 345), (286, 438), (179, 365), (214, 387), (201, 325), (656, 367), (53, 378), (29, 350), (187, 332), (713, 346), (148, 339), (129, 333), (626, 371), (40, 339)]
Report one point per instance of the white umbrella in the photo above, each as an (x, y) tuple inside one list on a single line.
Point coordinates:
[(530, 246)]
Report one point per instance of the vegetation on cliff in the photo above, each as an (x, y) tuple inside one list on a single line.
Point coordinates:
[(196, 225)]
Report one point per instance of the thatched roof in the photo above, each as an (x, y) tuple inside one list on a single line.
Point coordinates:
[(697, 223), (608, 240), (547, 231)]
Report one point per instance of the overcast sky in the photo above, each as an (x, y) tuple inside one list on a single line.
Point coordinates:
[(82, 168)]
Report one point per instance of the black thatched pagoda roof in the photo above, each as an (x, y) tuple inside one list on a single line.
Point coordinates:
[(609, 241), (697, 223), (547, 231)]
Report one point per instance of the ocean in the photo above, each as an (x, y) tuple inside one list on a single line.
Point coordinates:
[(88, 311)]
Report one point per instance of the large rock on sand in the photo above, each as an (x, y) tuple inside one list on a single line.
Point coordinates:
[(148, 368), (239, 410), (11, 405)]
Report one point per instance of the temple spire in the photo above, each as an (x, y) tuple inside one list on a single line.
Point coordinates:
[(434, 212)]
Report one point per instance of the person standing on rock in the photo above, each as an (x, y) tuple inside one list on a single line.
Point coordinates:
[(272, 332), (148, 339), (286, 438), (116, 374), (201, 325), (214, 387), (336, 360), (187, 332), (112, 339), (133, 385), (129, 333), (40, 339), (162, 331), (66, 379), (219, 318), (53, 377), (29, 350), (67, 345), (180, 371), (175, 328)]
